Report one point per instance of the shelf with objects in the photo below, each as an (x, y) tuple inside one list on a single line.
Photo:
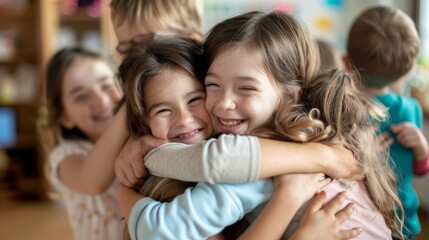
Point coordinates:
[(24, 47), (85, 23)]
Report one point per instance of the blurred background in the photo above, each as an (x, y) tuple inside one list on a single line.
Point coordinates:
[(32, 30)]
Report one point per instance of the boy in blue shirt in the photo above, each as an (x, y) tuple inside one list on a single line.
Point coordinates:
[(383, 44)]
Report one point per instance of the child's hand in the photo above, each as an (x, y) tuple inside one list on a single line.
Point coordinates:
[(129, 166), (307, 185), (342, 164), (321, 222), (409, 135), (383, 138)]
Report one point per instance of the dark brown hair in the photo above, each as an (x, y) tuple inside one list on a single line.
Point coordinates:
[(144, 63)]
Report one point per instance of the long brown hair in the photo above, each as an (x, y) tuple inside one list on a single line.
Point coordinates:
[(313, 108), (347, 115)]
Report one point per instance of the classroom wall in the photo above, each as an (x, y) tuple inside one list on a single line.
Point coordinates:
[(327, 19)]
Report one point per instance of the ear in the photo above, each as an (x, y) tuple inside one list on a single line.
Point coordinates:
[(66, 122), (346, 63)]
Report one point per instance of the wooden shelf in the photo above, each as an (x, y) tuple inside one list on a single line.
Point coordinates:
[(10, 14), (79, 16)]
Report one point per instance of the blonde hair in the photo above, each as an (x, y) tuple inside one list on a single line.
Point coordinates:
[(383, 44), (347, 115), (324, 108), (178, 16)]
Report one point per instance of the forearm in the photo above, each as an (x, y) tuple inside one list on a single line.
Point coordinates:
[(98, 169), (229, 158), (198, 213), (273, 220), (126, 198), (286, 157)]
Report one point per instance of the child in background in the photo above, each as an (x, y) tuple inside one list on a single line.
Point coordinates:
[(245, 88), (330, 57), (82, 94), (134, 21), (383, 44)]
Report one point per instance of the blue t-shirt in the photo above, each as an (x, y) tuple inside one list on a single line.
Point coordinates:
[(403, 109)]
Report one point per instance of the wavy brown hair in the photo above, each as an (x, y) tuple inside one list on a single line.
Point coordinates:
[(347, 114), (314, 107)]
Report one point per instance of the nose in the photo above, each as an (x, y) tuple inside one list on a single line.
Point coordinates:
[(226, 102), (184, 117), (101, 100)]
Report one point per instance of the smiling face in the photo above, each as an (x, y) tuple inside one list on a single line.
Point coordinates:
[(240, 95), (89, 95), (175, 104)]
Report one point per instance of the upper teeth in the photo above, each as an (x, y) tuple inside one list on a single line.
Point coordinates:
[(230, 123), (188, 134)]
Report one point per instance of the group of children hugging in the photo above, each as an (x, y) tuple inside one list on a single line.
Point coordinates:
[(238, 134)]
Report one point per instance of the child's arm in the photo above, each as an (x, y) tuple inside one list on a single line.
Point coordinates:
[(94, 173), (126, 198), (277, 214), (322, 222), (409, 135), (198, 213), (234, 158)]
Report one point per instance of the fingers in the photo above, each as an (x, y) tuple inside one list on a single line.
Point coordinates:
[(335, 204), (323, 182), (351, 233), (317, 202), (151, 142), (385, 139), (345, 213), (139, 168), (120, 175)]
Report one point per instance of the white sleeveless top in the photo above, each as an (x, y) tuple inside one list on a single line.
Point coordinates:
[(92, 217)]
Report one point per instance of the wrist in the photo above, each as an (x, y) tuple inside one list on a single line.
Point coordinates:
[(324, 159), (298, 235), (421, 156)]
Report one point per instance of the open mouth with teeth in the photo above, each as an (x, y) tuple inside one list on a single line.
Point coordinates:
[(230, 125), (182, 137)]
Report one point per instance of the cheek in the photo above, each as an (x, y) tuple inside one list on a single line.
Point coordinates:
[(209, 104), (158, 128), (116, 95)]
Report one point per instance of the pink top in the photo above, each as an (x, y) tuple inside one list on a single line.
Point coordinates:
[(364, 216)]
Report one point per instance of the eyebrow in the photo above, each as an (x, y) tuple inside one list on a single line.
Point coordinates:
[(79, 88)]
